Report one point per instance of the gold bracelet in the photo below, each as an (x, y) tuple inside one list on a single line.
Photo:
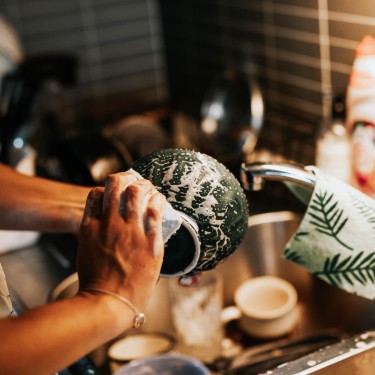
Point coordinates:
[(139, 318)]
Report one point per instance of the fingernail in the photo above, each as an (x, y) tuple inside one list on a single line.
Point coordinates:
[(94, 203)]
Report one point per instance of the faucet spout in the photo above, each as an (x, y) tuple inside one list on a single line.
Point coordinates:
[(254, 175)]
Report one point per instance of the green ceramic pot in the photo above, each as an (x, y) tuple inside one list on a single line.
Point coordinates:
[(211, 202)]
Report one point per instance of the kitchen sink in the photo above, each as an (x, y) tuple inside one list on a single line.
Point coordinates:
[(352, 356), (321, 307)]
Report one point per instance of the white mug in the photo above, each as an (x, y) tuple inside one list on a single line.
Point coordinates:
[(268, 306)]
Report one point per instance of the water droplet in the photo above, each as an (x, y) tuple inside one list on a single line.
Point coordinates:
[(360, 344), (282, 365)]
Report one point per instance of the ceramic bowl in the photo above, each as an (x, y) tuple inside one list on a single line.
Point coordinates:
[(136, 346)]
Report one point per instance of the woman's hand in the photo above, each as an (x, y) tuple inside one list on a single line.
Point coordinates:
[(120, 250), (120, 241)]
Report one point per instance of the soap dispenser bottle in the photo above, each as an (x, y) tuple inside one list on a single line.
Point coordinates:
[(333, 149)]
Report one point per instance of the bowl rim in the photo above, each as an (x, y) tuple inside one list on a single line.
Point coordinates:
[(168, 341), (278, 284)]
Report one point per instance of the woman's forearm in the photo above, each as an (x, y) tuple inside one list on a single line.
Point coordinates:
[(120, 252), (30, 203), (50, 338)]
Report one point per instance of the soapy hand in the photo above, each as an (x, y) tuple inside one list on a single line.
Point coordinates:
[(120, 242)]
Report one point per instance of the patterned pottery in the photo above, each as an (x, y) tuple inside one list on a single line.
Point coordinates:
[(211, 202)]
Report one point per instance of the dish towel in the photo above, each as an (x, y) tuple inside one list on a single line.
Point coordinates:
[(171, 219), (336, 238)]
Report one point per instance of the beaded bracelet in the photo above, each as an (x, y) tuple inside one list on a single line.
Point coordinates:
[(139, 318)]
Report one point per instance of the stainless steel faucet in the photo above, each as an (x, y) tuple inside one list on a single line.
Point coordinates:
[(254, 175)]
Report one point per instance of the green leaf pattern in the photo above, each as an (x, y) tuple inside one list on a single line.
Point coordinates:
[(300, 234), (364, 209), (353, 269), (293, 256), (327, 217), (335, 239)]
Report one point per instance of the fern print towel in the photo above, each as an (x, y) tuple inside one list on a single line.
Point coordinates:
[(336, 238)]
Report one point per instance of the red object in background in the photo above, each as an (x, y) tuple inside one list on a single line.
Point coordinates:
[(360, 118), (363, 154)]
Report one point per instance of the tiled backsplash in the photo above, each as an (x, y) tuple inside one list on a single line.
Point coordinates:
[(118, 43), (298, 49)]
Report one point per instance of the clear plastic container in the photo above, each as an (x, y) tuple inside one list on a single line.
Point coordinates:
[(333, 149)]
